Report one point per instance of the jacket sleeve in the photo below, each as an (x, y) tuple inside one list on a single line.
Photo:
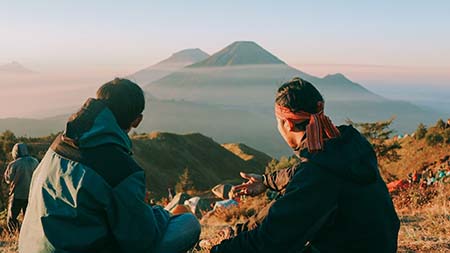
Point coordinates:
[(136, 226), (10, 173), (309, 201), (279, 179)]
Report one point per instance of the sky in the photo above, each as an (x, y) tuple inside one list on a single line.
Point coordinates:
[(377, 43)]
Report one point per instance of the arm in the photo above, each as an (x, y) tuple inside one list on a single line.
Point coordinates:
[(310, 199), (258, 184), (136, 226), (279, 179), (10, 173)]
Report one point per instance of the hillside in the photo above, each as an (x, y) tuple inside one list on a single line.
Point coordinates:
[(165, 156), (165, 67), (417, 155), (252, 157)]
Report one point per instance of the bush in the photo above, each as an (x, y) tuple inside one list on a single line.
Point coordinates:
[(421, 131), (447, 135), (434, 139), (440, 124)]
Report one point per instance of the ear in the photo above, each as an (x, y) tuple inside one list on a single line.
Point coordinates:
[(137, 121)]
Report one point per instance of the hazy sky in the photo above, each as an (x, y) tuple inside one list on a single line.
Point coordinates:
[(394, 38)]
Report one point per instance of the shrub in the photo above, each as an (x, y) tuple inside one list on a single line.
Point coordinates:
[(434, 138), (447, 135), (440, 124), (421, 131)]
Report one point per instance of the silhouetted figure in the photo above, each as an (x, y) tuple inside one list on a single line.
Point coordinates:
[(18, 175)]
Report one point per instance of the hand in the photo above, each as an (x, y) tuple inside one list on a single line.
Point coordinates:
[(254, 186)]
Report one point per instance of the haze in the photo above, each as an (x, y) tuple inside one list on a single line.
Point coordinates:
[(393, 48)]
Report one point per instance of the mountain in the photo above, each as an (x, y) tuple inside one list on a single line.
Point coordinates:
[(244, 73), (245, 76), (14, 68), (175, 62), (164, 156), (239, 53)]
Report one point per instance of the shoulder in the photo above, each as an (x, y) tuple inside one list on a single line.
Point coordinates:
[(308, 172), (12, 164), (110, 162)]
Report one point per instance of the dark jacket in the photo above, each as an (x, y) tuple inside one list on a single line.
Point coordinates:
[(335, 199), (18, 173), (87, 194)]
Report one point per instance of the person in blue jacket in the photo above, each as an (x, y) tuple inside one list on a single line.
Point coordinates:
[(87, 195)]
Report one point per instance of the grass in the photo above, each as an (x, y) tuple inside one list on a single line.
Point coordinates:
[(425, 221)]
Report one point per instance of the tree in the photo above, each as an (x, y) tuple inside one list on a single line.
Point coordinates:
[(447, 135), (421, 131), (440, 124), (434, 138), (184, 182), (378, 134)]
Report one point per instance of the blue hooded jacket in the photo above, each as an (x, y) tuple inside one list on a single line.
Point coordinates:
[(87, 195)]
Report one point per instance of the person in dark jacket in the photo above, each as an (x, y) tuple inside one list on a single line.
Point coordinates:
[(18, 175), (87, 195), (334, 200)]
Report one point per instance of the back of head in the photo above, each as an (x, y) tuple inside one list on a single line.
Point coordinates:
[(19, 150), (124, 98), (298, 95)]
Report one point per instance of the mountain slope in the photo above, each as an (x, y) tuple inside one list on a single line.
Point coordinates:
[(164, 156), (253, 157), (239, 53), (177, 61)]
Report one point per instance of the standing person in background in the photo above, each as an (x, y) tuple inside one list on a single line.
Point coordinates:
[(18, 175)]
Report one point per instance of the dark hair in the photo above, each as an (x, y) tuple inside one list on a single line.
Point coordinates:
[(124, 98), (298, 95)]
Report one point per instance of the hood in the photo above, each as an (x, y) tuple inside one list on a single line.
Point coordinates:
[(95, 125), (349, 156), (19, 150)]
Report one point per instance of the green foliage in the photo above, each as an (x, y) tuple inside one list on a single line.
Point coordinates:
[(185, 182), (447, 135), (440, 124), (283, 163), (433, 139), (378, 134), (421, 131)]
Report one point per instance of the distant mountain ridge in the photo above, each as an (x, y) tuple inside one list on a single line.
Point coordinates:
[(165, 67), (14, 68), (240, 67), (239, 53)]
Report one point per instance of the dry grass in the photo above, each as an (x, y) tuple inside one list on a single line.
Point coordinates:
[(425, 225), (8, 242)]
